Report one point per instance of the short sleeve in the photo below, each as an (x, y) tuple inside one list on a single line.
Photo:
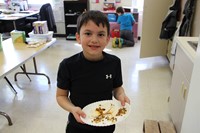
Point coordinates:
[(63, 81), (118, 78)]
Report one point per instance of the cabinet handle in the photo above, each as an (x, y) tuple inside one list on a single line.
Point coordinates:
[(184, 92), (168, 99), (182, 88)]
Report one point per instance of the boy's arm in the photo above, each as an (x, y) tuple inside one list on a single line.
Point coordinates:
[(120, 95), (118, 20), (64, 101), (133, 19)]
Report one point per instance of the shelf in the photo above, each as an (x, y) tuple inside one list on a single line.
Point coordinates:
[(71, 37), (70, 14), (72, 9), (71, 26)]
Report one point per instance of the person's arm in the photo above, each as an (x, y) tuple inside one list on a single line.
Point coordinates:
[(118, 19), (64, 101), (120, 95), (132, 19)]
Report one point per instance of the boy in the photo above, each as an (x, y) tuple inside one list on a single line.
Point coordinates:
[(126, 22), (91, 75)]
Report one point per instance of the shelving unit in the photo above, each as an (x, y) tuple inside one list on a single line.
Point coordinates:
[(72, 9)]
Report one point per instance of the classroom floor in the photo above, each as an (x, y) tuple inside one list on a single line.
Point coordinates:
[(34, 109)]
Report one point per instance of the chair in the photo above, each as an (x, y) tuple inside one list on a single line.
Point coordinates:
[(45, 14), (28, 26)]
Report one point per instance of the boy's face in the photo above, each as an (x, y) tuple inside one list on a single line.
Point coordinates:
[(93, 39)]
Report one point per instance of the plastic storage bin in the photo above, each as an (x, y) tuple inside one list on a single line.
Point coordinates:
[(47, 36), (112, 17)]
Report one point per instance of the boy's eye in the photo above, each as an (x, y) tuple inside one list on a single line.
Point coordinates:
[(101, 34), (87, 33)]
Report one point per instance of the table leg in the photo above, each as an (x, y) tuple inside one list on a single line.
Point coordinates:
[(10, 85), (14, 24), (32, 73), (7, 117), (24, 70)]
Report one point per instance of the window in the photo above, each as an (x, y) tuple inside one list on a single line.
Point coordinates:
[(1, 1), (138, 4), (39, 2)]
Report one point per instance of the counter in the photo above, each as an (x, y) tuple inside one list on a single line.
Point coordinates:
[(183, 43)]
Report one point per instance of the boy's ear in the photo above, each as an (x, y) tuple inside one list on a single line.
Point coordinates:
[(78, 39), (108, 39)]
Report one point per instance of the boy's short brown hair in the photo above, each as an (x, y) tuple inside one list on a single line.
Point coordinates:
[(120, 10), (96, 16)]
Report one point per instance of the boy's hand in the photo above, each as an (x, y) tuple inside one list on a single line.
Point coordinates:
[(123, 99), (120, 95), (77, 112)]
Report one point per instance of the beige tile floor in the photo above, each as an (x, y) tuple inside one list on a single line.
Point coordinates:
[(34, 108)]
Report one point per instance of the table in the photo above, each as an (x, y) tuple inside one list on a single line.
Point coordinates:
[(17, 16), (16, 55)]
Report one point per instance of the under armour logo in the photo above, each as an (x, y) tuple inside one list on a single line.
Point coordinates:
[(108, 76)]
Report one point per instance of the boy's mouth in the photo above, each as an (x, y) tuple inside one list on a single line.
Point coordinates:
[(94, 46)]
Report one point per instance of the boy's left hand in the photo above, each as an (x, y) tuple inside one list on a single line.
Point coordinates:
[(123, 99), (120, 95)]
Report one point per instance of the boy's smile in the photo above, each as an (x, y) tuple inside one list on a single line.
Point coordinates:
[(93, 39)]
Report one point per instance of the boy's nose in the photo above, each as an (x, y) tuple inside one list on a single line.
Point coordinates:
[(94, 39)]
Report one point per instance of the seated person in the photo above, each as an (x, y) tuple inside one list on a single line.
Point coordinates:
[(126, 22)]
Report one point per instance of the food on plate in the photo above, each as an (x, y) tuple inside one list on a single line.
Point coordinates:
[(101, 114), (121, 111)]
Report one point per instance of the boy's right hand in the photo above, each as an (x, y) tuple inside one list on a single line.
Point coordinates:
[(77, 112)]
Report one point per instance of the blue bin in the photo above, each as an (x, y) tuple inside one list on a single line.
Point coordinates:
[(112, 17)]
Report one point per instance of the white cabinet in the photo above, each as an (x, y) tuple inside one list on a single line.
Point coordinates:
[(192, 116), (178, 96), (180, 84)]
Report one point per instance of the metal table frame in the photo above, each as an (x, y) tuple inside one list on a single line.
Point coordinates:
[(33, 53)]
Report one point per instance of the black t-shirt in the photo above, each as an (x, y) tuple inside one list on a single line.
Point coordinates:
[(89, 81)]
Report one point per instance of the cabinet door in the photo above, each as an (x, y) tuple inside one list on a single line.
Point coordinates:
[(183, 99), (178, 97), (175, 93), (154, 14)]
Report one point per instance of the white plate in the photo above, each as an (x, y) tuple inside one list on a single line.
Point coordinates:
[(111, 107)]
